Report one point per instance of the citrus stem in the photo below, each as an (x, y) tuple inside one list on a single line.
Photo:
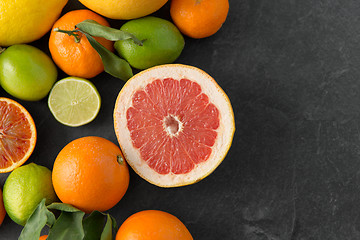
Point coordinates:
[(70, 33), (120, 159), (2, 50)]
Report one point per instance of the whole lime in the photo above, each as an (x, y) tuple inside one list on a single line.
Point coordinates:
[(24, 189), (26, 72), (162, 42)]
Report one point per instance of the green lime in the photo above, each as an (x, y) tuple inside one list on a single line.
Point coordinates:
[(162, 42), (24, 189), (26, 72), (74, 101)]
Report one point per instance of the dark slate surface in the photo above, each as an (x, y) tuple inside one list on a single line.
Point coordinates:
[(291, 70)]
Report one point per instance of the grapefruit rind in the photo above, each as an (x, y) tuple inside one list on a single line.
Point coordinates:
[(216, 95), (32, 139)]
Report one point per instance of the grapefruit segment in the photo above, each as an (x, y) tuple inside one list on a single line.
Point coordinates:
[(181, 161), (174, 124), (17, 135), (138, 119)]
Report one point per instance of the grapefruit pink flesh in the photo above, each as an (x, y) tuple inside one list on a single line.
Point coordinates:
[(173, 124)]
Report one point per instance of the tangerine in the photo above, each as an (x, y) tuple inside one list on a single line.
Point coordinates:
[(199, 18), (90, 173), (153, 224), (75, 55)]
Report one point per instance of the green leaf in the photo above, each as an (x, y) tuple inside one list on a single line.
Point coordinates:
[(36, 222), (113, 64), (113, 222), (93, 225), (63, 207), (50, 218), (97, 30), (67, 226), (107, 233)]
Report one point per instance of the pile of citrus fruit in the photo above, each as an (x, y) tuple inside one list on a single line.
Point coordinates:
[(173, 122)]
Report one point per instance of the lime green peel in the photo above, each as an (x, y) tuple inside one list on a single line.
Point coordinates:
[(24, 189)]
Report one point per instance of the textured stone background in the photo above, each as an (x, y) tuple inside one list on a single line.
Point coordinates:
[(291, 70)]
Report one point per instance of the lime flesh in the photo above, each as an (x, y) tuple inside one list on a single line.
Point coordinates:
[(74, 101), (24, 189)]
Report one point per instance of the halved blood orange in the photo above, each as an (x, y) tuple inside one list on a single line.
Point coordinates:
[(174, 124), (17, 135)]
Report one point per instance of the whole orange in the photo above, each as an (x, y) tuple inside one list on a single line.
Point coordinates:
[(77, 59), (153, 224), (90, 173), (2, 208), (199, 18)]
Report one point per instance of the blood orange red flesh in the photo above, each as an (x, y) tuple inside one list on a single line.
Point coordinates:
[(174, 124), (17, 135)]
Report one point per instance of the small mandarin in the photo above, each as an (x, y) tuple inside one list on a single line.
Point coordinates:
[(199, 18), (77, 59)]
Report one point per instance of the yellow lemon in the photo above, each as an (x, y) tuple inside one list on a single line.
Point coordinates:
[(124, 9), (24, 21)]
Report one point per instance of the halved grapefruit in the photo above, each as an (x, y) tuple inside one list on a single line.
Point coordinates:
[(17, 135), (174, 124)]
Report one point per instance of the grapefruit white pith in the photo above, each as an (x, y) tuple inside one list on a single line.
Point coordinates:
[(174, 124)]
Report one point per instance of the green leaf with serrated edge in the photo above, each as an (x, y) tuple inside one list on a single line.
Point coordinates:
[(63, 207), (97, 30), (36, 222), (113, 64), (67, 226), (93, 225), (107, 233)]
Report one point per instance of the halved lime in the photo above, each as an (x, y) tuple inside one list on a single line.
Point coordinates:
[(74, 101)]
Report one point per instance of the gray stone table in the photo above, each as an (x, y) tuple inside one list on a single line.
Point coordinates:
[(292, 71)]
